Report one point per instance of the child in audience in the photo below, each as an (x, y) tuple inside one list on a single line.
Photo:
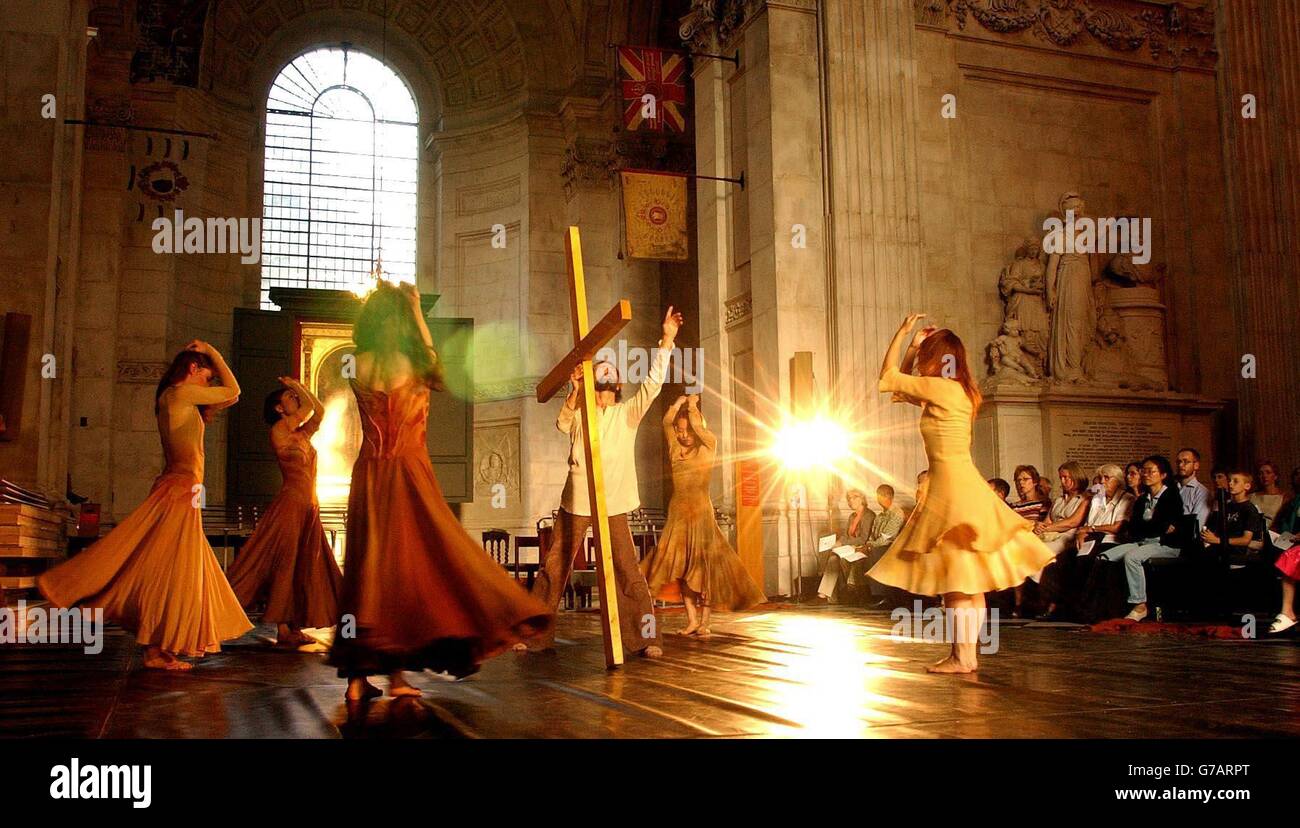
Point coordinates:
[(1240, 522)]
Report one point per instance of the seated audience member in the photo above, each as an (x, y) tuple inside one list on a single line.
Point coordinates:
[(1151, 530), (1002, 487), (1067, 510), (1196, 498), (886, 528), (1057, 531), (1030, 503), (1240, 522), (860, 523), (1107, 512), (1133, 479), (1288, 517), (1267, 496), (1220, 478), (1045, 488), (1288, 563)]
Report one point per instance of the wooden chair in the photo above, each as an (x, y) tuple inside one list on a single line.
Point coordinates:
[(583, 580), (496, 542), (530, 568)]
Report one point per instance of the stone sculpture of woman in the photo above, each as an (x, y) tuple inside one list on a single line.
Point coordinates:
[(1022, 287), (1070, 301)]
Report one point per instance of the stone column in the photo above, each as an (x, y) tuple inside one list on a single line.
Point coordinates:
[(1260, 44), (762, 296), (879, 273)]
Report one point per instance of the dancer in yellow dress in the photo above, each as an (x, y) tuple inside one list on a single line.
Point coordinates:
[(692, 554), (962, 540)]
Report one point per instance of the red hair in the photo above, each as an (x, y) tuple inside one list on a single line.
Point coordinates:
[(942, 354)]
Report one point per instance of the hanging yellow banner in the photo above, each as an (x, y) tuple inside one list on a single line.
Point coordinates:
[(654, 210)]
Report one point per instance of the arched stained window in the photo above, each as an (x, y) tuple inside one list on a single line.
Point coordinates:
[(339, 179)]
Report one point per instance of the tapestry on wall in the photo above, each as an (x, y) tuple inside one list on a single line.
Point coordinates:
[(654, 212)]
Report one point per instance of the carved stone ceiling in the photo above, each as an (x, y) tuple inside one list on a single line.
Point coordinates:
[(482, 53)]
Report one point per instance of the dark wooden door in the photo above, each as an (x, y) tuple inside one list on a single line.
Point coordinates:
[(262, 352), (450, 433)]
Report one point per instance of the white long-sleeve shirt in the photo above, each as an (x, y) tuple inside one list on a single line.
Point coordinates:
[(618, 425)]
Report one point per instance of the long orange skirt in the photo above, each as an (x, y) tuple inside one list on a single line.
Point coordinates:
[(156, 575)]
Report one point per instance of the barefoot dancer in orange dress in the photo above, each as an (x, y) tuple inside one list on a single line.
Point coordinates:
[(288, 563), (155, 573), (962, 540), (692, 551), (418, 592)]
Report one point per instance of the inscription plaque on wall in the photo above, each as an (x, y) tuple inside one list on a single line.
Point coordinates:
[(1093, 441)]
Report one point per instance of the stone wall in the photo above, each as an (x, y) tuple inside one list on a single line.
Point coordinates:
[(42, 52), (1135, 134), (498, 137)]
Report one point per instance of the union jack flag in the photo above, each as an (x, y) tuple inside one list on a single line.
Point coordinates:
[(656, 72)]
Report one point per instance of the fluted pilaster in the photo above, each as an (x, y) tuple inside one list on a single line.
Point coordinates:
[(1260, 42), (878, 273)]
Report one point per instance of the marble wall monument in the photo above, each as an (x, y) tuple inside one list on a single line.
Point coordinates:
[(1078, 370)]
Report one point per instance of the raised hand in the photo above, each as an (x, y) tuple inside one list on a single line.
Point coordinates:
[(922, 334), (575, 376), (200, 346), (672, 324), (910, 321), (412, 294)]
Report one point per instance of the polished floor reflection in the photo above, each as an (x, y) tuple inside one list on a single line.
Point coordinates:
[(789, 672)]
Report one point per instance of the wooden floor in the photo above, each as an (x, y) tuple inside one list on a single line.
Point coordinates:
[(800, 672)]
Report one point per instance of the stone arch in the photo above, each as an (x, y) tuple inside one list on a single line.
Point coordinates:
[(484, 56)]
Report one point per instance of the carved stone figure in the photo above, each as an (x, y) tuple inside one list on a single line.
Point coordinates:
[(1079, 317), (1110, 361), (1023, 288), (1008, 358), (1070, 301)]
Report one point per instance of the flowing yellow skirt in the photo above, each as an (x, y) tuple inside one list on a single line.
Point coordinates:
[(156, 575)]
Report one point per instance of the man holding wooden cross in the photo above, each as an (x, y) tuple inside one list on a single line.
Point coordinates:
[(618, 420)]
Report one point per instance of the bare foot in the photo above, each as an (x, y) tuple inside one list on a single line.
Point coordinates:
[(360, 689), (166, 661), (691, 630), (520, 647), (313, 646), (653, 652), (398, 687), (951, 665), (703, 632)]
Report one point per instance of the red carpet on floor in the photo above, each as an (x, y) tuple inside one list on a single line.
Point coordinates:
[(1123, 625)]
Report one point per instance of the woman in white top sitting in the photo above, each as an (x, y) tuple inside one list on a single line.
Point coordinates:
[(1057, 531), (1107, 512), (1268, 496)]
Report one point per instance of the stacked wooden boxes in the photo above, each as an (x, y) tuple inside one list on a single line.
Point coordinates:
[(32, 538)]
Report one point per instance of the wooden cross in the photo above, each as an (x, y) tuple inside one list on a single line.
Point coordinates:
[(586, 344)]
